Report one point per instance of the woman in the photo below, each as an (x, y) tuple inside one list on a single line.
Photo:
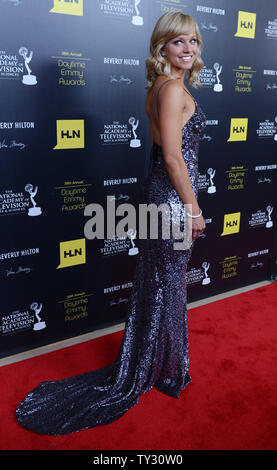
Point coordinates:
[(154, 349)]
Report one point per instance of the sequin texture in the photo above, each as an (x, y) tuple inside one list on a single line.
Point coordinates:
[(154, 348)]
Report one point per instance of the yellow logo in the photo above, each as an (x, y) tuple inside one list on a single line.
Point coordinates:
[(68, 7), (238, 129), (72, 252), (70, 134), (246, 25), (231, 223)]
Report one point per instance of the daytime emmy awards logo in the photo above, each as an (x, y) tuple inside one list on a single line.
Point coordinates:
[(135, 142), (206, 279), (132, 235), (137, 20), (27, 79), (40, 324), (35, 210), (211, 188), (218, 86), (269, 223)]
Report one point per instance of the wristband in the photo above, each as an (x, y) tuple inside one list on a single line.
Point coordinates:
[(195, 216)]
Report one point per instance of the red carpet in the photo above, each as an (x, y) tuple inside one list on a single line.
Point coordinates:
[(231, 403)]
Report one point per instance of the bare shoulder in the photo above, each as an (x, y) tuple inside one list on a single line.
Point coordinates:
[(171, 89), (172, 92)]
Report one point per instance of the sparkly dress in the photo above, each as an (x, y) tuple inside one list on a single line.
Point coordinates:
[(154, 348)]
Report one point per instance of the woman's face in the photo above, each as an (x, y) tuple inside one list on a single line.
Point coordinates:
[(181, 51)]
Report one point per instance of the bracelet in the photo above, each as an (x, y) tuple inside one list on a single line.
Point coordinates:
[(195, 216)]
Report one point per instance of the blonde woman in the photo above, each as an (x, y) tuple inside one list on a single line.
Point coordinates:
[(154, 348), (174, 115)]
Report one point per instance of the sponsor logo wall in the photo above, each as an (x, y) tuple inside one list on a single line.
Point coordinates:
[(73, 132)]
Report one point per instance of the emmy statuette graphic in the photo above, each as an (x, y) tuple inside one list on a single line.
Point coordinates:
[(137, 19), (27, 79), (35, 210), (134, 250), (211, 188), (40, 325), (218, 85), (135, 142), (206, 279), (269, 222)]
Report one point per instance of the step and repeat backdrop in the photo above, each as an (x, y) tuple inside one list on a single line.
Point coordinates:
[(73, 131)]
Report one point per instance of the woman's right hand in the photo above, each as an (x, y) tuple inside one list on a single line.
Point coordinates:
[(197, 226)]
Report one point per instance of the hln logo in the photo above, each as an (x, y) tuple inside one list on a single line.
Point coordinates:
[(238, 129), (77, 251), (246, 25), (231, 223), (72, 252), (70, 134), (68, 7)]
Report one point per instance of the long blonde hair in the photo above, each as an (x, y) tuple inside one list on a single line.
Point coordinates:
[(169, 26)]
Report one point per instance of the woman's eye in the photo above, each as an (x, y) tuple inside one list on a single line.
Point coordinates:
[(194, 41)]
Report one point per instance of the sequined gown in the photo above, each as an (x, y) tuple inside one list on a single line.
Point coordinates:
[(154, 348)]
